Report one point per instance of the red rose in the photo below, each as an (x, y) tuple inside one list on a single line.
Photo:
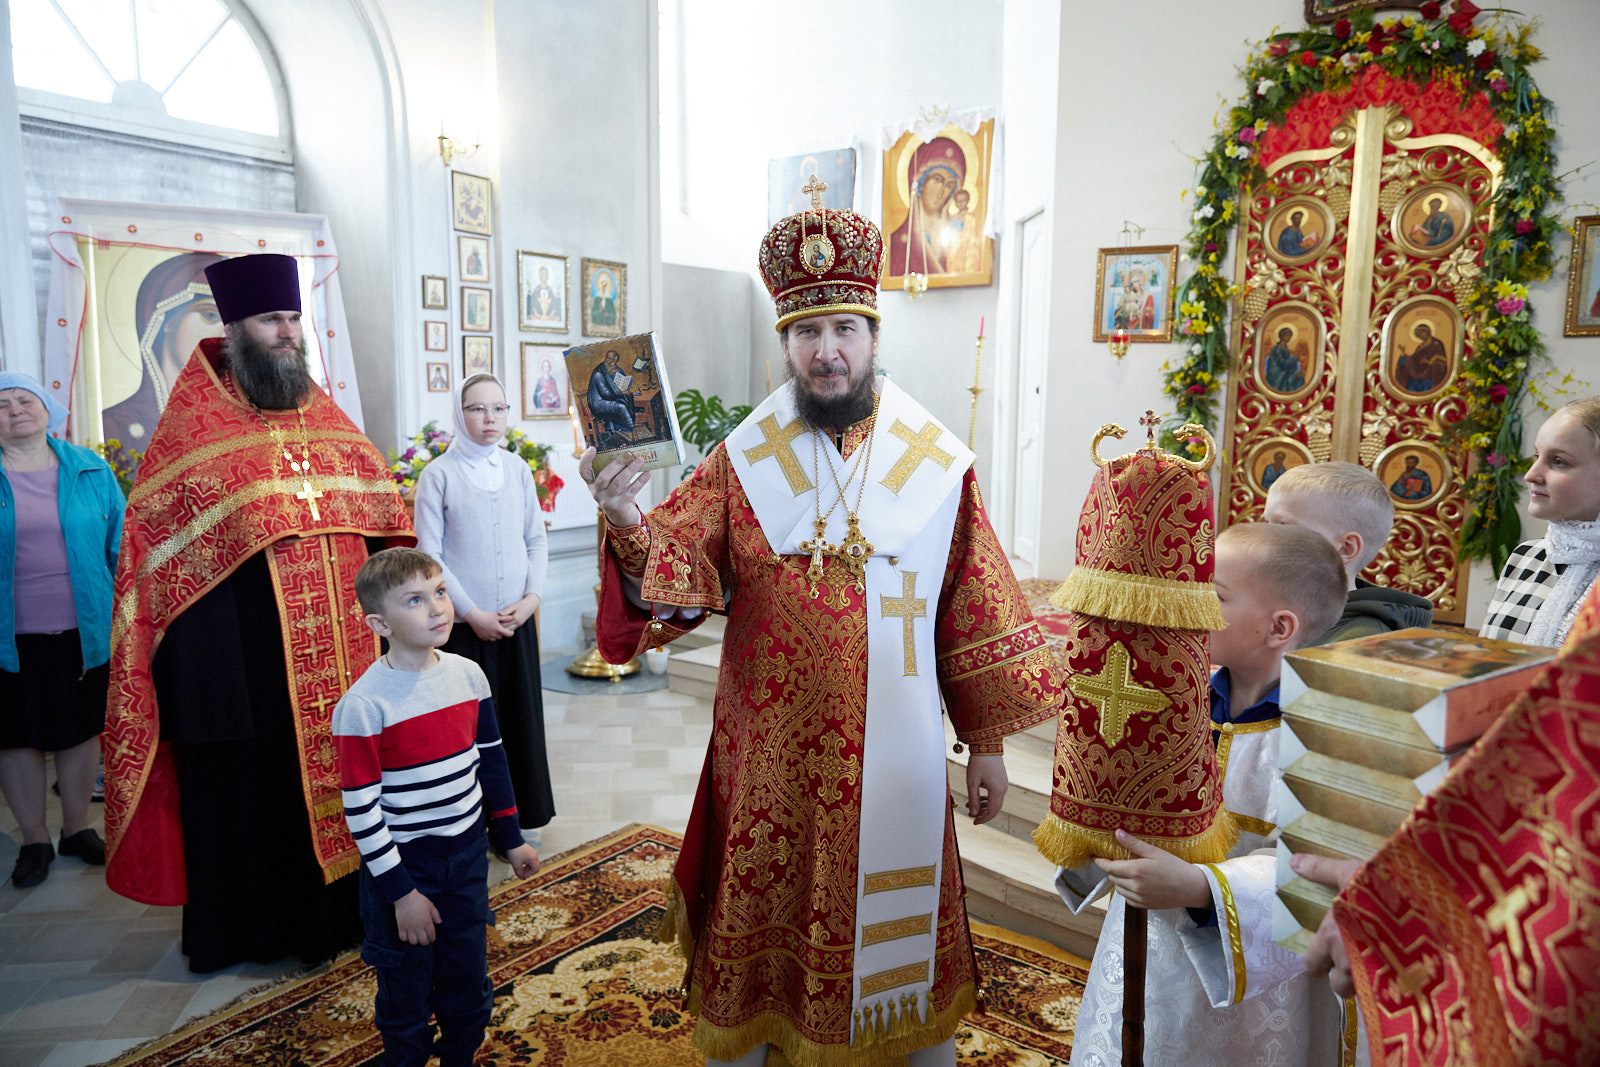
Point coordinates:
[(1498, 394), (1524, 226), (1278, 48), (1211, 246), (1484, 61), (1430, 10), (1341, 29), (1377, 39), (1308, 59), (1196, 389)]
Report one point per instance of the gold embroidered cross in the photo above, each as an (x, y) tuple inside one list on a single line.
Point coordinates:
[(1507, 915), (777, 443), (920, 445), (909, 608), (815, 188), (310, 495), (1116, 694)]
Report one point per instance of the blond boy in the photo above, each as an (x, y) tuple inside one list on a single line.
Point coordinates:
[(1218, 991), (1347, 504)]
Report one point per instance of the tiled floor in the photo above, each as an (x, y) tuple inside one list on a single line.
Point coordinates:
[(86, 974)]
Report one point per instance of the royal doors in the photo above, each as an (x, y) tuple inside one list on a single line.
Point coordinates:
[(1358, 250)]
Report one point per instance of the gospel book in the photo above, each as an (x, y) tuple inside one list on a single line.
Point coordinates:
[(623, 403), (1452, 685)]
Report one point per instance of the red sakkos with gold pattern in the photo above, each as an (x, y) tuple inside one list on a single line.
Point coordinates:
[(1133, 750), (213, 490), (1474, 933), (763, 897)]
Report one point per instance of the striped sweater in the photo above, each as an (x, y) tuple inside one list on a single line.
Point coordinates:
[(418, 754)]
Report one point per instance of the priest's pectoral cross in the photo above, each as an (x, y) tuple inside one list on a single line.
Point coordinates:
[(819, 547), (909, 608), (1114, 692), (310, 496)]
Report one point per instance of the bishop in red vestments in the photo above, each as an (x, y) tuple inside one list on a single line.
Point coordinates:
[(818, 897)]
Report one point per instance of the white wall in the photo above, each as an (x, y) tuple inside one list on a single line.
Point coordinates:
[(763, 81), (1132, 109)]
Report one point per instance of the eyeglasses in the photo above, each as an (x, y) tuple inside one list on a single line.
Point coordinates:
[(480, 410)]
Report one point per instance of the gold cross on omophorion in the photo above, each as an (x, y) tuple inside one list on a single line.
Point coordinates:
[(1150, 422), (815, 188), (310, 495), (1116, 694), (909, 608), (920, 445), (777, 443)]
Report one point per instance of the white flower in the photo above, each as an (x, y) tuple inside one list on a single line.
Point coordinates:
[(1264, 85), (1240, 151), (1208, 211), (1196, 349), (1200, 191), (1350, 60), (1475, 47)]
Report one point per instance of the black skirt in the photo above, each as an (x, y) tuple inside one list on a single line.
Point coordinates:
[(512, 664), (53, 703)]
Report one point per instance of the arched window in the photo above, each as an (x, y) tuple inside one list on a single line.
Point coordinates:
[(194, 72)]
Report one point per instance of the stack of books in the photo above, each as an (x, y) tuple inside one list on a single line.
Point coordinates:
[(1371, 726)]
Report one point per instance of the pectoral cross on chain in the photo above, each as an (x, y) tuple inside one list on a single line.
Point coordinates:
[(310, 496), (815, 188), (818, 547), (909, 607)]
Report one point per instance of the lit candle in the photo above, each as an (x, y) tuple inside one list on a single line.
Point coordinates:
[(980, 327), (577, 430)]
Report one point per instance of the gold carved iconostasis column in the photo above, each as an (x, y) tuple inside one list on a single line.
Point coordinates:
[(1355, 254)]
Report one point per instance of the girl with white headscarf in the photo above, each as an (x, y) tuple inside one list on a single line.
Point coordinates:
[(478, 515)]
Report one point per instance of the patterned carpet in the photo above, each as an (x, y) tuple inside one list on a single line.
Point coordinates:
[(581, 982), (1052, 620)]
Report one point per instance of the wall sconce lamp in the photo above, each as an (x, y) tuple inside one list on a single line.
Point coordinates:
[(449, 149), (1121, 337)]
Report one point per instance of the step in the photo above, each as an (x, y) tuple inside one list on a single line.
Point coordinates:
[(1009, 885), (694, 672), (1029, 776)]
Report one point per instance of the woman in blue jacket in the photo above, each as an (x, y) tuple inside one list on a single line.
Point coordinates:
[(60, 526)]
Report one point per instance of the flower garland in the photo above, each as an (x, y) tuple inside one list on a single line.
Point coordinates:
[(430, 442), (1445, 43)]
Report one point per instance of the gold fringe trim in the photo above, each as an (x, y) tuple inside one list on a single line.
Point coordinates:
[(1070, 846), (729, 1043), (674, 928), (339, 868), (1139, 598)]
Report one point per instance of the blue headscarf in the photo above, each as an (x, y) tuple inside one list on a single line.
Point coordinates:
[(13, 379)]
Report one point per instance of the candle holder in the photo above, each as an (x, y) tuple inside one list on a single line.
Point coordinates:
[(1119, 342)]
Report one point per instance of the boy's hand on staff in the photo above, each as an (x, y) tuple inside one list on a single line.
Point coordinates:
[(415, 918), (1154, 878)]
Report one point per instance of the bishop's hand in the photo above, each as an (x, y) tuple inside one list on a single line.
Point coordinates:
[(1327, 954), (616, 488)]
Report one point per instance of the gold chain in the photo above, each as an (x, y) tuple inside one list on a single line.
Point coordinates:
[(301, 466), (854, 550)]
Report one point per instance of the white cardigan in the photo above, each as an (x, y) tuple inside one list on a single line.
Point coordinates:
[(491, 544)]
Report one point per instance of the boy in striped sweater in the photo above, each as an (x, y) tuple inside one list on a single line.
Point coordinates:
[(419, 751)]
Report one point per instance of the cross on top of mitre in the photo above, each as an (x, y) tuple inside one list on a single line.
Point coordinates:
[(815, 188), (1149, 421)]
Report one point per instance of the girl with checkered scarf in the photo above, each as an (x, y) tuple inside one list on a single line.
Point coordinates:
[(1545, 580)]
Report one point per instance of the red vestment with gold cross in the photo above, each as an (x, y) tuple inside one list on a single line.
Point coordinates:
[(1474, 933), (764, 894), (214, 489)]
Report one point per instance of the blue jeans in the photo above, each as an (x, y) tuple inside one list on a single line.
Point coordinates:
[(448, 978)]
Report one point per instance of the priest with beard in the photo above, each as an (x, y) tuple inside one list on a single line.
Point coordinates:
[(236, 630), (818, 895)]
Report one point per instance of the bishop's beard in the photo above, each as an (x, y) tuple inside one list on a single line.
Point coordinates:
[(275, 379), (835, 413)]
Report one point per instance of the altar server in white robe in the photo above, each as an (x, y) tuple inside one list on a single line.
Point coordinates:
[(1218, 990)]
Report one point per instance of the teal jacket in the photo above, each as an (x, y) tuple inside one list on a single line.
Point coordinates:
[(90, 504)]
